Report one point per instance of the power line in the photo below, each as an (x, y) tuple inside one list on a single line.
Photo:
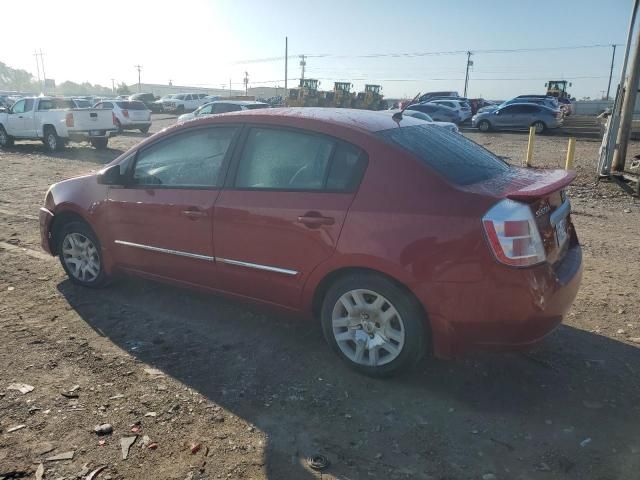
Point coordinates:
[(434, 53)]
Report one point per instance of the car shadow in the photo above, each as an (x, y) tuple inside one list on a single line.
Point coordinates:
[(487, 412)]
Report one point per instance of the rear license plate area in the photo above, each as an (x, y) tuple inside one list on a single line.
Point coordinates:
[(561, 232)]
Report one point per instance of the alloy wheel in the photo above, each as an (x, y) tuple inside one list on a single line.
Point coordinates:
[(81, 257), (52, 141), (367, 328)]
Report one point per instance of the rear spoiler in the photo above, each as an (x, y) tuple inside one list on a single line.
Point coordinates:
[(534, 184)]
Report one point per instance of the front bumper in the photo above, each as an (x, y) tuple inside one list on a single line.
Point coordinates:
[(45, 220)]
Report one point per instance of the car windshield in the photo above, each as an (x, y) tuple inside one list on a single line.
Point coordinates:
[(455, 157), (133, 105), (83, 104)]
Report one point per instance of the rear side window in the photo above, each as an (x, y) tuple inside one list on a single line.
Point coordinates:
[(134, 105), (347, 167), (256, 106), (191, 159), (453, 156)]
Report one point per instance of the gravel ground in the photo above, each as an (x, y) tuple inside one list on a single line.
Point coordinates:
[(211, 388)]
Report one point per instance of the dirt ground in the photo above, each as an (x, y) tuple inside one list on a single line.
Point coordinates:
[(211, 388)]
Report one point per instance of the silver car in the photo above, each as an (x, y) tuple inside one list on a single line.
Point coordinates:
[(518, 116)]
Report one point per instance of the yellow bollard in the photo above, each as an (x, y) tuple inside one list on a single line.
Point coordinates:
[(532, 137), (570, 152)]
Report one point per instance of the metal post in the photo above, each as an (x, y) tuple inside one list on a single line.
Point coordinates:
[(139, 67), (286, 62), (246, 83), (466, 77), (303, 64), (532, 137), (626, 115), (613, 57), (611, 133), (44, 75), (35, 54), (568, 164), (229, 87)]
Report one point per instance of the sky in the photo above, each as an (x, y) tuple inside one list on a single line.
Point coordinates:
[(210, 42)]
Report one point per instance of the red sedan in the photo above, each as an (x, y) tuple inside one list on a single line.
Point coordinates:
[(399, 236)]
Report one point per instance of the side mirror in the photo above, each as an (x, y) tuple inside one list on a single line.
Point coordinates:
[(497, 112), (110, 176)]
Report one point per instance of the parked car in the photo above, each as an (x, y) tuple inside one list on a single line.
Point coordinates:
[(149, 100), (452, 127), (399, 236), (429, 95), (224, 106), (550, 102), (55, 121), (128, 115), (440, 113), (518, 116), (158, 103), (461, 106), (184, 102)]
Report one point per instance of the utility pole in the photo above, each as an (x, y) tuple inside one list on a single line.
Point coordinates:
[(466, 77), (246, 83), (613, 57), (139, 68), (303, 63), (286, 62), (113, 85), (35, 54), (229, 87), (626, 115)]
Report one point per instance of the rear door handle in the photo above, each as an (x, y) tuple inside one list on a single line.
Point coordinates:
[(313, 220), (194, 213)]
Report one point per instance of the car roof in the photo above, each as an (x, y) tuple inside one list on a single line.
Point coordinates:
[(433, 104)]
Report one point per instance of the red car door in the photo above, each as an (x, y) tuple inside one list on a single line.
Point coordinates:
[(161, 221), (282, 210)]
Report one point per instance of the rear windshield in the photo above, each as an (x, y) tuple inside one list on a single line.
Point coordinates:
[(452, 155), (83, 103), (255, 106), (132, 105)]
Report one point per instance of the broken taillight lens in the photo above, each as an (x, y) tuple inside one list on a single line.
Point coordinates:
[(513, 234)]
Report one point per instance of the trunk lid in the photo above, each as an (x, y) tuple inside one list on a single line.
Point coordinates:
[(544, 192)]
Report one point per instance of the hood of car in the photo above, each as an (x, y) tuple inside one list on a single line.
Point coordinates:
[(186, 116)]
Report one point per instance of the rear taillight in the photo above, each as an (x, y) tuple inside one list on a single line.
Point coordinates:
[(513, 234), (68, 120), (125, 113), (113, 118)]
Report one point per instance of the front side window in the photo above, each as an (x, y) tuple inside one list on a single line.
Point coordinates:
[(284, 160), (204, 110), (191, 159), (18, 107)]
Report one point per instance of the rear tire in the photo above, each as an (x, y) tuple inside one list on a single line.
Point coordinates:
[(180, 109), (118, 126), (145, 129), (540, 127), (99, 143), (484, 126), (5, 139), (80, 254), (52, 141), (374, 325)]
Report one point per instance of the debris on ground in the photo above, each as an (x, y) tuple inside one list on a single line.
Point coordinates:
[(318, 462), (125, 445), (95, 473), (61, 456), (104, 429), (15, 429), (195, 448), (585, 442), (23, 388), (40, 472), (154, 371)]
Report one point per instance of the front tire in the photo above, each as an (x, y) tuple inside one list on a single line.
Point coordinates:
[(375, 326), (5, 139), (118, 126), (484, 126), (81, 255), (52, 141), (145, 129), (99, 143)]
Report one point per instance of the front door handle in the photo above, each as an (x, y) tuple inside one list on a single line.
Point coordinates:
[(314, 220), (194, 213)]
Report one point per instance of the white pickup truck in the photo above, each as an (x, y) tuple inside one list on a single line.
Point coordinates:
[(55, 121)]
